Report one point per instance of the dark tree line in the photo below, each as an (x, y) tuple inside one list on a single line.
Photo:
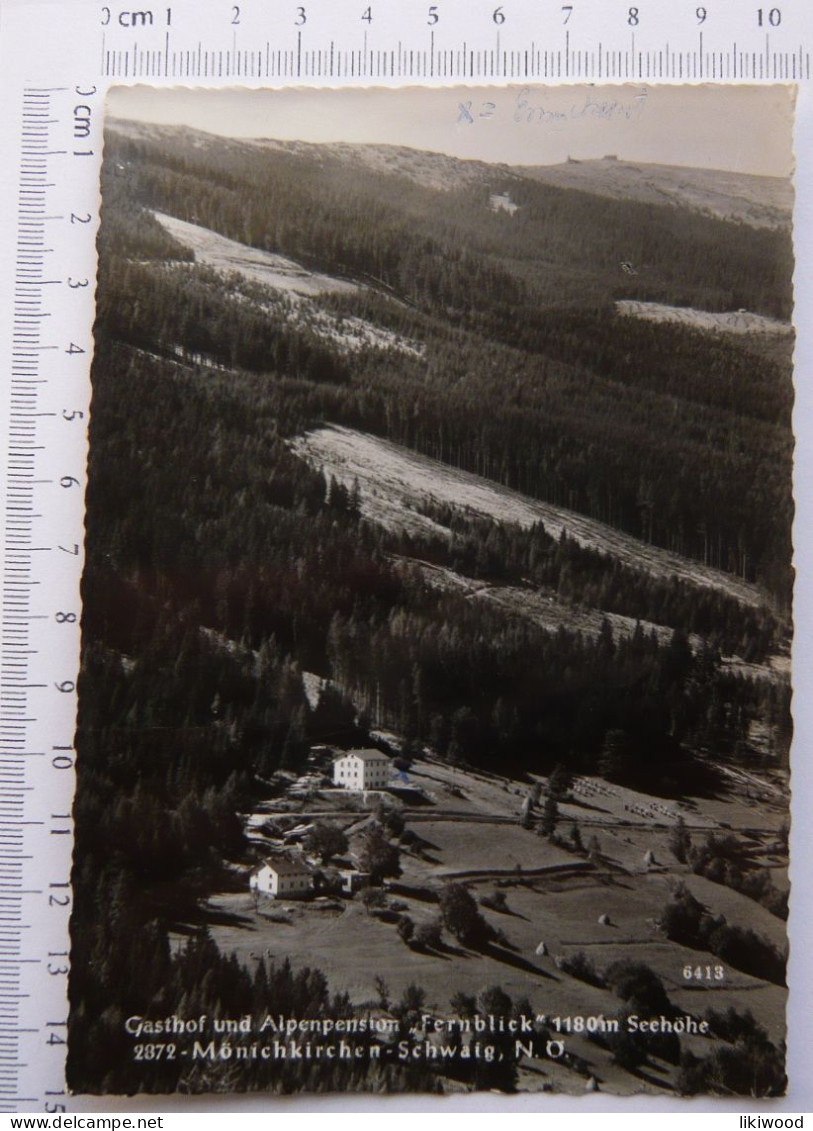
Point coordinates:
[(424, 242), (557, 397), (508, 554)]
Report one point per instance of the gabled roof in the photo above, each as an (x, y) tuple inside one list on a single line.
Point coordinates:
[(283, 866), (365, 755)]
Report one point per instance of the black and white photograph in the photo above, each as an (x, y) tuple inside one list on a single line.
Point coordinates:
[(435, 691)]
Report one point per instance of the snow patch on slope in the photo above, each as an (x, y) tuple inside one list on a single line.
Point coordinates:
[(393, 480), (731, 322), (291, 289), (270, 270)]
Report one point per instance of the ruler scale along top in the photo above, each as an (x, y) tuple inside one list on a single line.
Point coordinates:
[(463, 64), (439, 43)]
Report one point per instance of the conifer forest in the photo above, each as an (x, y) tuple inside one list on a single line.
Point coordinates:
[(382, 463)]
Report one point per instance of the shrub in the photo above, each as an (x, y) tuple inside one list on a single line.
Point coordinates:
[(390, 818), (693, 1076), (627, 1048), (325, 840), (378, 856), (666, 1046), (550, 815), (406, 928), (523, 1008), (680, 842), (495, 1001), (463, 1005), (745, 950), (429, 936), (460, 916), (776, 902), (639, 986), (411, 1006), (746, 1069), (722, 860), (382, 992), (733, 1026), (632, 1049), (374, 899), (579, 966), (681, 916), (332, 880), (560, 782), (496, 900)]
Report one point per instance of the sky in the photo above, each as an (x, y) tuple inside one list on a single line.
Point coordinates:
[(740, 128)]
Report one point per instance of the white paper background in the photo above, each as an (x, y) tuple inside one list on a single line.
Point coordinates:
[(45, 43)]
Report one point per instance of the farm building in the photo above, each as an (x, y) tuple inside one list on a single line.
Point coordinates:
[(362, 769), (353, 880), (282, 877)]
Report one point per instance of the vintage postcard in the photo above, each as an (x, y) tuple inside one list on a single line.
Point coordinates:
[(434, 727)]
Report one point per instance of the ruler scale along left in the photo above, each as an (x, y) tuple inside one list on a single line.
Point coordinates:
[(44, 488), (17, 590)]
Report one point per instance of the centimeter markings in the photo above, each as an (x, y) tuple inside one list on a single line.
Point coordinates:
[(401, 61), (39, 605), (15, 647)]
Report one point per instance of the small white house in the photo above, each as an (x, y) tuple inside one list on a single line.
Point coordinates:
[(282, 878), (362, 769)]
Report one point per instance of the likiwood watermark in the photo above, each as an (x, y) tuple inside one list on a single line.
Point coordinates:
[(763, 1121)]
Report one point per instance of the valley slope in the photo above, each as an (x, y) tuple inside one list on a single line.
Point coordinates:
[(370, 422)]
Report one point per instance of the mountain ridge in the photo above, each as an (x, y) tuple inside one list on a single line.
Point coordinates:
[(756, 200)]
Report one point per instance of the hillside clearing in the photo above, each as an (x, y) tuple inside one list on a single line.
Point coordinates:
[(545, 608), (393, 481), (729, 322), (759, 201), (274, 271), (291, 290)]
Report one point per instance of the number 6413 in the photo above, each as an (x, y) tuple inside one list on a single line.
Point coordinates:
[(703, 973)]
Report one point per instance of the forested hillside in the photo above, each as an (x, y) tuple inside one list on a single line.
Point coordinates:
[(759, 201), (220, 566)]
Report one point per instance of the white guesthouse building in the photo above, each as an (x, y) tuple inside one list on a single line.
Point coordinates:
[(362, 769), (282, 878)]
